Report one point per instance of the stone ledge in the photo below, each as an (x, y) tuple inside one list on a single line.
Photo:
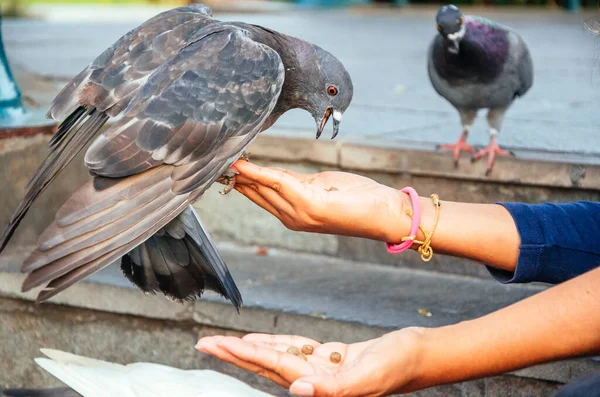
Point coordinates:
[(328, 299), (534, 168)]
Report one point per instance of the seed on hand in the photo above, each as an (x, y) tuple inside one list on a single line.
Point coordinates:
[(308, 349), (335, 357), (296, 352), (293, 350)]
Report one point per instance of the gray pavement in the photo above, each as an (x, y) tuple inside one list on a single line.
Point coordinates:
[(385, 53)]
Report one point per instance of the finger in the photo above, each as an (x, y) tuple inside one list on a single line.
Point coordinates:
[(315, 180), (349, 383), (275, 179), (294, 340), (273, 197), (243, 180), (254, 196), (211, 347), (318, 386), (294, 174), (288, 366)]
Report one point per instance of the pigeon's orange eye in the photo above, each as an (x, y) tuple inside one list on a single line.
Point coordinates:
[(439, 28), (461, 20), (331, 90)]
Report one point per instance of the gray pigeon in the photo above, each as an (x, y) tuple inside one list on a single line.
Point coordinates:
[(477, 64), (191, 94)]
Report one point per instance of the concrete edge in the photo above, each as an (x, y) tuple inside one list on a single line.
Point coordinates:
[(543, 169), (129, 301)]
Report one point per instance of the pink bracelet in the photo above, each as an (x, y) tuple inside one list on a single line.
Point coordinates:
[(416, 221)]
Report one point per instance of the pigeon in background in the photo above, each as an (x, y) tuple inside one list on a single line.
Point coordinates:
[(88, 377), (190, 93), (477, 64)]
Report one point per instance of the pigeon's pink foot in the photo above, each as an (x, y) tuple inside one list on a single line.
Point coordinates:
[(492, 150), (460, 146)]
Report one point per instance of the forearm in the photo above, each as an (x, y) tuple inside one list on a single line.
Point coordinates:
[(482, 232), (558, 323), (543, 242)]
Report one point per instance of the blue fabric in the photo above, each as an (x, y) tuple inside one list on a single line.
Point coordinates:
[(558, 241)]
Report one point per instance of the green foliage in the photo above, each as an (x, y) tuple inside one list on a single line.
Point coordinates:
[(13, 8)]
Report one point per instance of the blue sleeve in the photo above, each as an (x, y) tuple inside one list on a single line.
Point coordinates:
[(558, 241)]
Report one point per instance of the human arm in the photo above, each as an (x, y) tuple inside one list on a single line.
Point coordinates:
[(499, 236), (558, 323)]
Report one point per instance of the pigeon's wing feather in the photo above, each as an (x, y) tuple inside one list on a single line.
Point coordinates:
[(104, 88), (191, 114), (181, 260), (147, 180), (81, 127), (120, 69)]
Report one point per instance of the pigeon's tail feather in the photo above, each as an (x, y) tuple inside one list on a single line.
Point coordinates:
[(181, 261), (72, 136), (102, 221), (55, 392)]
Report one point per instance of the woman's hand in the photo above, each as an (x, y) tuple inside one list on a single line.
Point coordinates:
[(377, 367), (329, 202)]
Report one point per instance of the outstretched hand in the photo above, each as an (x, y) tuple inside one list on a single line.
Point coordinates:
[(328, 202), (373, 368)]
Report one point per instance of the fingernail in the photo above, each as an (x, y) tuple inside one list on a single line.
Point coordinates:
[(302, 389), (200, 346)]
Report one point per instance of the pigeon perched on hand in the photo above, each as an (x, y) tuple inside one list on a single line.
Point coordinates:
[(477, 64), (88, 377), (192, 93)]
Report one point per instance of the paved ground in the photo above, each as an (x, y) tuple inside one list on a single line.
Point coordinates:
[(385, 53)]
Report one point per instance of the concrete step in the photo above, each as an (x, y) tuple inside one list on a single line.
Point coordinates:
[(319, 297)]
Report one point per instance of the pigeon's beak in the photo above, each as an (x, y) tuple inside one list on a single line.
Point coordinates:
[(323, 122), (454, 46), (454, 39), (337, 119)]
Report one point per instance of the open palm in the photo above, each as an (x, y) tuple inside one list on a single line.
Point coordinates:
[(364, 368)]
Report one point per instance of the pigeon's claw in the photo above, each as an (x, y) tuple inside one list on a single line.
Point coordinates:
[(245, 156), (458, 147), (228, 179), (492, 150)]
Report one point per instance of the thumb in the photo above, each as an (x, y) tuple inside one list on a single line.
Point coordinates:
[(321, 386)]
